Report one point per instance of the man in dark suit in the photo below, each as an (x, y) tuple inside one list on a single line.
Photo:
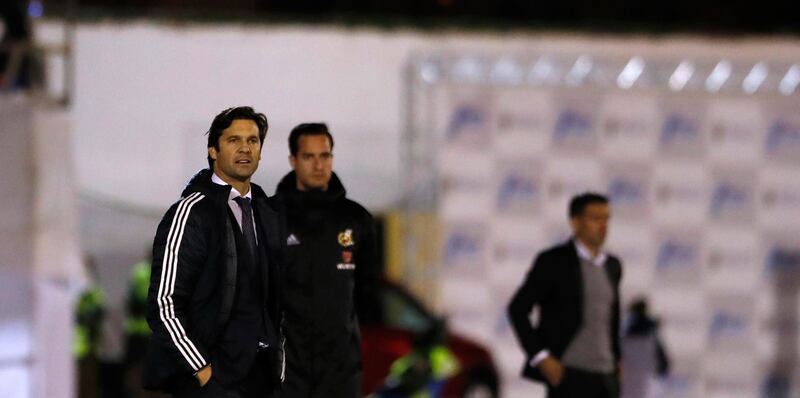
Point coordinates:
[(574, 347), (213, 301)]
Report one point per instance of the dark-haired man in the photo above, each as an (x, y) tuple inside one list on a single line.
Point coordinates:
[(575, 347), (331, 264), (213, 296)]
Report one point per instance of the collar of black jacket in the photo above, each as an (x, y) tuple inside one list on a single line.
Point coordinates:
[(201, 182), (288, 188)]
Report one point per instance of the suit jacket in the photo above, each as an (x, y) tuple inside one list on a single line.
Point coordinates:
[(554, 284)]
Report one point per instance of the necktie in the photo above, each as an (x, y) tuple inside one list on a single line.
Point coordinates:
[(248, 230)]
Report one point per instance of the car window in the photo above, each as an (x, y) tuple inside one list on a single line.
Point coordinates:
[(402, 313)]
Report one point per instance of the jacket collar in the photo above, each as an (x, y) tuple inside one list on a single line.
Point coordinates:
[(201, 182), (288, 187)]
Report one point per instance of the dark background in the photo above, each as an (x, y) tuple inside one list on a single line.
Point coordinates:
[(734, 17)]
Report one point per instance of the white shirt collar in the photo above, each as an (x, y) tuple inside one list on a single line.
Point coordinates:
[(234, 193), (586, 254)]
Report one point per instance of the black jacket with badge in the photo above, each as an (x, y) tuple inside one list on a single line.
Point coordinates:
[(193, 298), (331, 263)]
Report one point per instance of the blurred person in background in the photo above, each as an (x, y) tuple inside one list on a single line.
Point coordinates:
[(89, 314), (331, 264), (422, 372), (213, 299), (574, 348), (16, 60), (645, 357), (137, 331)]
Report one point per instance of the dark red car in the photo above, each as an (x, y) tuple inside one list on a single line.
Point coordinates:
[(389, 331)]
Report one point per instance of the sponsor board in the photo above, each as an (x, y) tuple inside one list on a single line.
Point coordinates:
[(459, 162), (501, 326), (698, 190), (730, 386), (730, 374), (514, 252), (470, 295), (522, 121), (782, 138), (627, 127), (461, 206), (555, 233), (733, 195), (628, 189), (519, 187), (574, 130), (515, 243), (779, 331), (680, 194), (678, 257), (684, 379), (633, 245), (465, 249), (731, 261), (472, 321), (731, 323), (464, 181), (422, 191), (509, 356), (462, 184), (735, 129), (779, 197), (467, 122), (679, 129), (682, 314), (566, 177), (682, 334), (680, 386)]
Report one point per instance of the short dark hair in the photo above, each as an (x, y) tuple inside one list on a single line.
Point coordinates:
[(579, 202), (307, 129), (224, 119)]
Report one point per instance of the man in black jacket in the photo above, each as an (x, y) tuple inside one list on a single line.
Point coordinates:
[(575, 347), (331, 265), (213, 297)]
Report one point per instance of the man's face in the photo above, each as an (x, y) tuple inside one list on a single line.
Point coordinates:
[(591, 226), (313, 163), (239, 151)]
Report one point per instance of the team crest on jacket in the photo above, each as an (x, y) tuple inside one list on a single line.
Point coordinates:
[(346, 238)]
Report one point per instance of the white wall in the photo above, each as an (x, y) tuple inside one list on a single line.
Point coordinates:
[(39, 254)]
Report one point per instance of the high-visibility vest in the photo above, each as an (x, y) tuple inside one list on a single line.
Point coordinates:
[(89, 315), (441, 360), (136, 322)]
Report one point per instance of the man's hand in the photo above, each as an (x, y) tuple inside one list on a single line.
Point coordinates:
[(203, 375), (552, 370)]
